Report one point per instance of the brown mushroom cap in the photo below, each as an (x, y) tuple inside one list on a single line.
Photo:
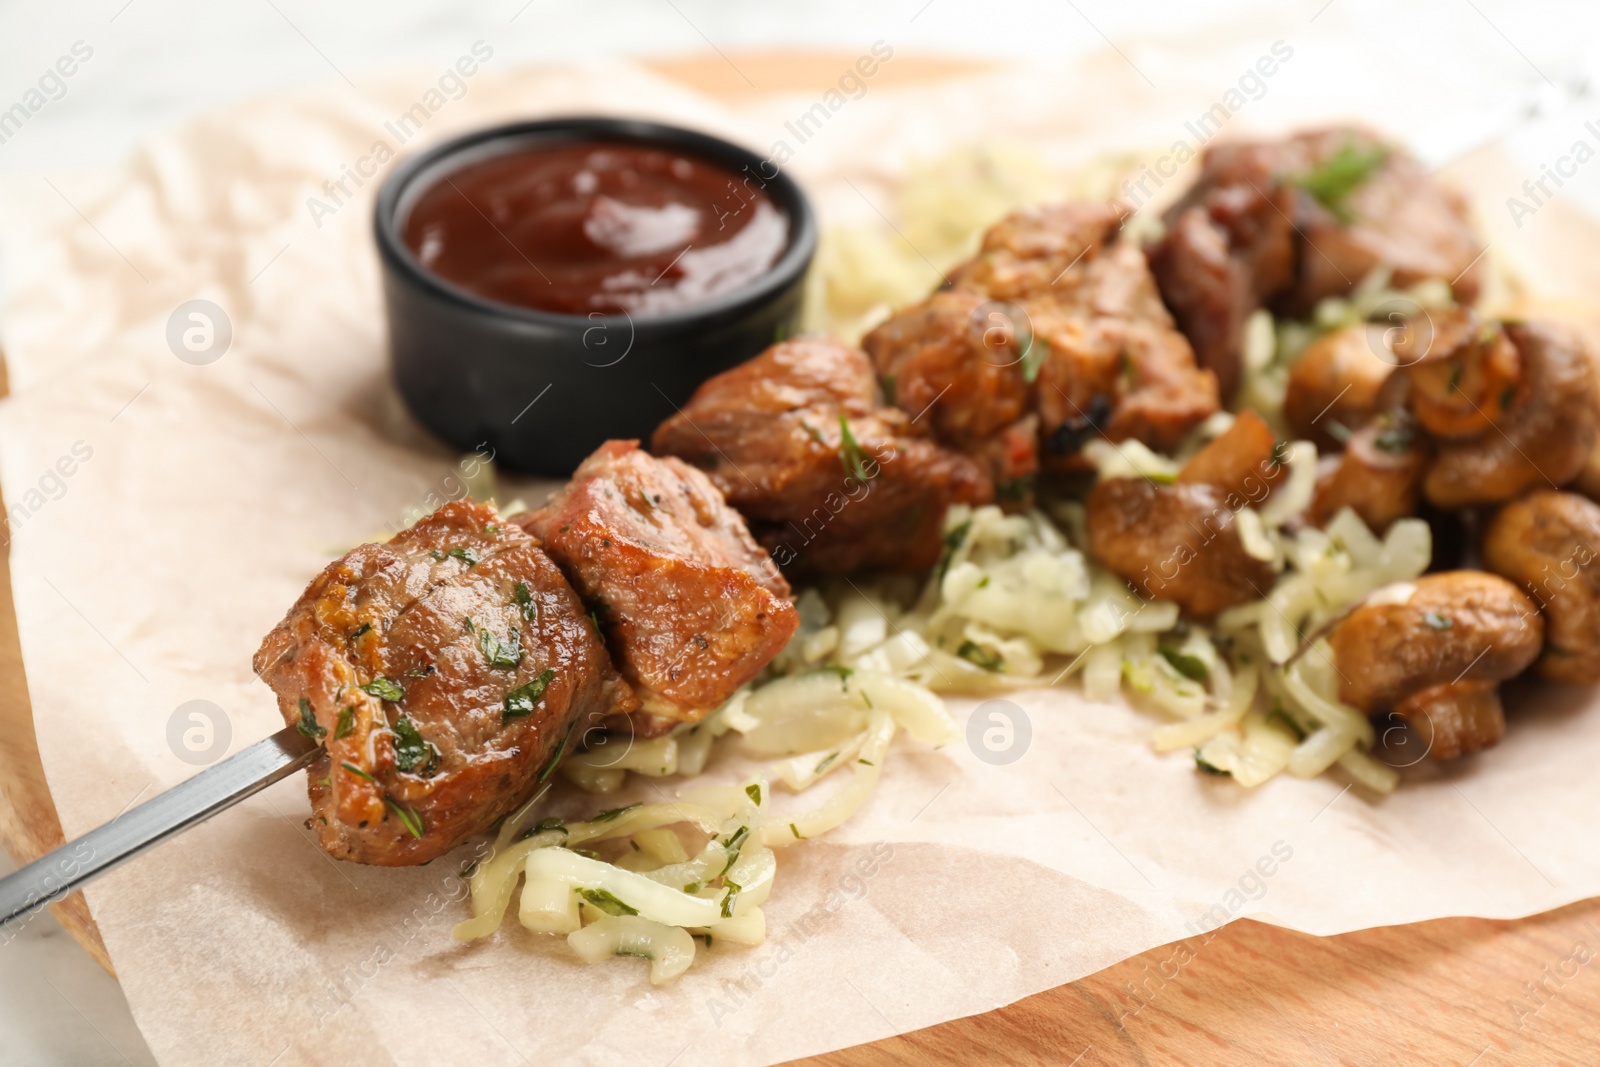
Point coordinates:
[(1548, 543), (1545, 436), (1379, 475), (1452, 627)]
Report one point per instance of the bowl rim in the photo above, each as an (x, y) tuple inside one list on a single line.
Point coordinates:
[(789, 268)]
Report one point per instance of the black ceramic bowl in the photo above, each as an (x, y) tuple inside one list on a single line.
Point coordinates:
[(544, 389)]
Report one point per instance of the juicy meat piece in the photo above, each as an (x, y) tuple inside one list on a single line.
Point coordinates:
[(954, 362), (690, 605), (1335, 385), (1055, 317), (1289, 222), (1175, 542), (444, 672), (1027, 252), (771, 435), (1221, 258), (1548, 542), (1544, 434), (1445, 628), (1379, 475), (1455, 719), (1243, 461)]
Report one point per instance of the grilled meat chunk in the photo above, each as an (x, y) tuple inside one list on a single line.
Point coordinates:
[(1175, 542), (1379, 474), (1549, 543), (1056, 317), (1336, 385), (445, 672), (690, 605), (1285, 223), (1244, 461), (831, 480)]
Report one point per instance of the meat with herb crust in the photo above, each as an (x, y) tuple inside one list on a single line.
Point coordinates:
[(445, 672), (831, 479), (691, 607)]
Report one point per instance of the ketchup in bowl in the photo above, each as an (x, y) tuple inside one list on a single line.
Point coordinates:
[(596, 226)]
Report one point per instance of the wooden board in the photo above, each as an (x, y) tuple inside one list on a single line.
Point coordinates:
[(1463, 991)]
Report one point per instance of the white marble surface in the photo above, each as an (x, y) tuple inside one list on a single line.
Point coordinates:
[(156, 61)]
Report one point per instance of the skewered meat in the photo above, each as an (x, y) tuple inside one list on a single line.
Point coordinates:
[(1335, 385), (1175, 542), (1286, 223), (1541, 437), (831, 480), (1435, 653), (1548, 542), (445, 672), (689, 604)]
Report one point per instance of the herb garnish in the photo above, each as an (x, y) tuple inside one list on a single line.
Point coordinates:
[(412, 751), (1393, 439), (1199, 761), (734, 889), (1341, 174), (523, 699), (975, 653), (851, 455), (825, 762), (307, 725), (606, 902), (363, 628), (346, 724), (502, 654), (753, 791), (465, 555), (525, 602), (357, 771), (1034, 353), (412, 820), (560, 749), (384, 689), (1191, 667), (612, 813)]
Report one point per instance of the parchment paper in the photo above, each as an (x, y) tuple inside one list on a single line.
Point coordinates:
[(200, 499)]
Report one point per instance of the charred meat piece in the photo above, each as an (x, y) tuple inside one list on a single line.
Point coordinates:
[(1335, 386), (1430, 648), (1175, 542), (445, 672), (1543, 434), (691, 607), (1379, 475), (831, 480), (955, 363), (1286, 223), (1245, 461), (1548, 542), (1034, 250)]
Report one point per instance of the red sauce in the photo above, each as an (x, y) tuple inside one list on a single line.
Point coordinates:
[(596, 226)]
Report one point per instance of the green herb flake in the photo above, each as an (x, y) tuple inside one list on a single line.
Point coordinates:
[(607, 903), (888, 388), (384, 689), (692, 888), (365, 627), (866, 762), (1014, 489), (851, 454), (1191, 667), (436, 554), (975, 653), (491, 530), (753, 791), (522, 700), (549, 768), (502, 655), (839, 670), (1393, 439), (613, 813), (1341, 174), (357, 771), (1436, 621), (525, 602), (413, 753), (465, 555), (1162, 478), (308, 725), (1199, 761), (734, 889), (1034, 353), (346, 724), (413, 821), (796, 832), (588, 853)]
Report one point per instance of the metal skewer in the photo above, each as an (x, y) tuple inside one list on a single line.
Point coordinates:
[(55, 874)]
